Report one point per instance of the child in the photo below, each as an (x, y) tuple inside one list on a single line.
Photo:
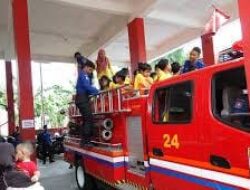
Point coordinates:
[(194, 61), (176, 68), (143, 79), (120, 78), (105, 83), (24, 164), (157, 71), (154, 76), (125, 72), (164, 70)]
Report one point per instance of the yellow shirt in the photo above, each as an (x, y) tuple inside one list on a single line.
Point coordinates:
[(105, 72), (163, 76), (127, 80), (142, 82), (112, 85)]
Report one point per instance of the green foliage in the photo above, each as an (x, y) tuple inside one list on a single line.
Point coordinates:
[(55, 98), (3, 100), (177, 55)]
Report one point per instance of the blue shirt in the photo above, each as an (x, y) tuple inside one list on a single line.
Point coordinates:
[(45, 137), (83, 85), (188, 66), (81, 61)]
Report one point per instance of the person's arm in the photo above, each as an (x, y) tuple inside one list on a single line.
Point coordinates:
[(150, 81), (185, 67), (85, 82), (200, 64), (36, 176)]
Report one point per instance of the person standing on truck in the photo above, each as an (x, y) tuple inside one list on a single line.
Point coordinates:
[(164, 70), (194, 62), (143, 79), (83, 90), (103, 66), (105, 83), (176, 68), (81, 60)]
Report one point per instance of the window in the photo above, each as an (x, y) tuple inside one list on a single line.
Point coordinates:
[(230, 98), (173, 104), (229, 54)]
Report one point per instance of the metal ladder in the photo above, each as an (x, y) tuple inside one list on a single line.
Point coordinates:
[(105, 102)]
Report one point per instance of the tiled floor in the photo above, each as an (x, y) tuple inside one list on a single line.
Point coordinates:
[(57, 176)]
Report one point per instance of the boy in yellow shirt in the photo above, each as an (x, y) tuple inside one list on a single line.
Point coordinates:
[(164, 70), (143, 79)]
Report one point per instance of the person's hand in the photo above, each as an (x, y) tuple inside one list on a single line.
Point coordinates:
[(34, 178)]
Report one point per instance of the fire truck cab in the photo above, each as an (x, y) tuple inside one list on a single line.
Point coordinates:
[(188, 132)]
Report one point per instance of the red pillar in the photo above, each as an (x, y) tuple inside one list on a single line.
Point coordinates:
[(244, 12), (208, 49), (22, 45), (10, 97), (137, 45)]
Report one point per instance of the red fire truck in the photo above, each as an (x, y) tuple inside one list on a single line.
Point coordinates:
[(189, 132)]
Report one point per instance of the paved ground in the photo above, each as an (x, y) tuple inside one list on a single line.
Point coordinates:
[(57, 176)]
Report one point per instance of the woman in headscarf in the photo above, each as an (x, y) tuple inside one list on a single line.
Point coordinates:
[(103, 66)]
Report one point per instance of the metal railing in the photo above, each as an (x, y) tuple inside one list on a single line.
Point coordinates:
[(109, 101)]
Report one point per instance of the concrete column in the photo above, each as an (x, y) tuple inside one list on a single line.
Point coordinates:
[(207, 41), (22, 45), (137, 45)]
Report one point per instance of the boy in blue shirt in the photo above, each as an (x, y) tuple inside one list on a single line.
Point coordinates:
[(83, 90), (194, 61)]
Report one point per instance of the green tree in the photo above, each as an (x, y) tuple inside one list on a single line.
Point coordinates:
[(55, 98), (3, 100), (177, 55)]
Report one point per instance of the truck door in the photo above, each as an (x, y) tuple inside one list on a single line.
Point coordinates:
[(228, 119), (173, 133)]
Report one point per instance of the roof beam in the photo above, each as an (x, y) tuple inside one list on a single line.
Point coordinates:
[(52, 58), (108, 6), (106, 35), (176, 19)]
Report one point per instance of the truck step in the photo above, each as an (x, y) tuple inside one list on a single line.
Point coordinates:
[(126, 186)]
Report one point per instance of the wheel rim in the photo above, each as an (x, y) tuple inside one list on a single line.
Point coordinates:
[(80, 176)]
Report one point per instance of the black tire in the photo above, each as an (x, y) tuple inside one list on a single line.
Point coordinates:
[(83, 180)]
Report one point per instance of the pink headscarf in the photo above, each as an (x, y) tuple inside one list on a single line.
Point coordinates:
[(102, 61)]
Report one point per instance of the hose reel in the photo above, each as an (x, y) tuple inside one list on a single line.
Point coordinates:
[(108, 124), (106, 127), (107, 135)]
